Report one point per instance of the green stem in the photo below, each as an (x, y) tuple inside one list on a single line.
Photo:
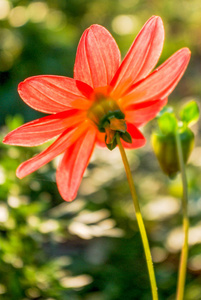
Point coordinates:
[(184, 251), (139, 221)]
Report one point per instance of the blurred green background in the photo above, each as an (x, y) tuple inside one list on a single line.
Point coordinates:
[(90, 249)]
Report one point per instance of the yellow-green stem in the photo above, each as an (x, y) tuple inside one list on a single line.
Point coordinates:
[(184, 251), (139, 221)]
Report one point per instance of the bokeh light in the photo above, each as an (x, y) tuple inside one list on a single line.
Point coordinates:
[(4, 9)]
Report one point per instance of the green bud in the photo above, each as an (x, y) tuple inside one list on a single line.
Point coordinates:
[(165, 149)]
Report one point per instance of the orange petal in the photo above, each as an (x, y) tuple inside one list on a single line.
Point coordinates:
[(97, 58), (141, 57), (73, 165), (138, 140), (52, 94), (100, 139), (141, 113), (161, 82), (65, 140), (44, 129)]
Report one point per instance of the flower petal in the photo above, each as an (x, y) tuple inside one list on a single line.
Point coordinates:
[(44, 129), (161, 82), (141, 113), (73, 165), (141, 57), (97, 58), (100, 139), (52, 94), (138, 140), (66, 139)]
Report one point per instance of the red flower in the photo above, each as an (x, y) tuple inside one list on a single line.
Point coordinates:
[(104, 97)]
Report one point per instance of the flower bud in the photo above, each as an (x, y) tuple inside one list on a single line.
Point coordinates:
[(165, 149)]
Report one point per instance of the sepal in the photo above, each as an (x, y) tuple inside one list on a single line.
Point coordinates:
[(126, 137), (113, 143)]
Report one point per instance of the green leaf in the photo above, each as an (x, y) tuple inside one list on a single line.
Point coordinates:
[(167, 123), (190, 113)]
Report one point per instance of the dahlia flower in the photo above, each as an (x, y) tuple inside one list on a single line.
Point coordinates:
[(106, 97)]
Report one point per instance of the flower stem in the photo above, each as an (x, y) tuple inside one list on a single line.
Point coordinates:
[(184, 251), (139, 221)]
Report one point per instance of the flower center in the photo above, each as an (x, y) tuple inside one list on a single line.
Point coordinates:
[(107, 116), (103, 110)]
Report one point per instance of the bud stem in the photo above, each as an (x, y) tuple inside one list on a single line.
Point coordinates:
[(139, 221), (184, 252)]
